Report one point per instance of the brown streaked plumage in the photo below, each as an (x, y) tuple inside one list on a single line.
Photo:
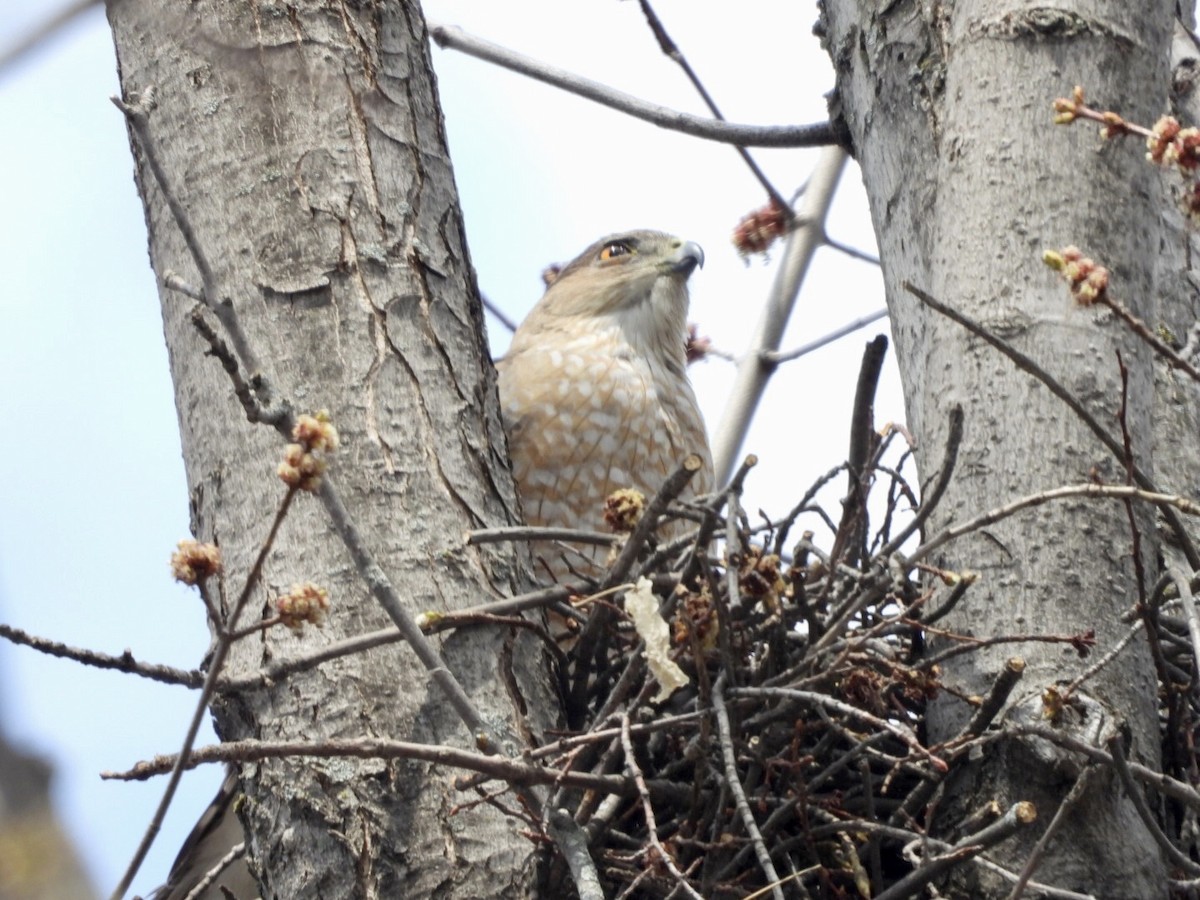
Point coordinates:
[(594, 388)]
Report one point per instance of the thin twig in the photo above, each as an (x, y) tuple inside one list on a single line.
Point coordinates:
[(819, 135), (1116, 746), (1163, 783), (137, 113), (500, 315), (236, 852), (385, 594), (1082, 642), (735, 787), (42, 33), (655, 510), (1095, 668), (850, 539), (514, 533), (1019, 815), (852, 252), (812, 698), (123, 663), (661, 853), (932, 497), (996, 698), (1138, 327), (856, 601), (1026, 364), (777, 357), (854, 826), (784, 525), (252, 406), (572, 843), (1106, 491), (428, 622), (513, 771), (735, 549), (672, 51), (1069, 802), (219, 654)]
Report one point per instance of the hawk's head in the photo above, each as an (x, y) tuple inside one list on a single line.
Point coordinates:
[(636, 280)]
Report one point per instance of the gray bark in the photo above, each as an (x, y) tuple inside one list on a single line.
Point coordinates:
[(306, 142), (948, 105)]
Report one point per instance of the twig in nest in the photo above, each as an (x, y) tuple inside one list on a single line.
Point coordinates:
[(661, 854), (735, 787), (832, 703), (1069, 802), (573, 844), (1116, 746), (589, 639), (1019, 814)]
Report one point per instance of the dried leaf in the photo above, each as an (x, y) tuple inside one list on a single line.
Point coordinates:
[(642, 607)]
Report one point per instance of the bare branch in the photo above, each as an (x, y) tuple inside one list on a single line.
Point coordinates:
[(123, 663), (813, 698), (500, 315), (735, 787), (512, 771), (672, 51), (1116, 746), (454, 38), (1018, 815), (137, 112), (42, 33), (219, 654), (1026, 364), (514, 533), (1138, 327), (852, 252), (1108, 491), (776, 357), (754, 371), (572, 843), (1069, 802), (236, 852), (662, 854), (1164, 784)]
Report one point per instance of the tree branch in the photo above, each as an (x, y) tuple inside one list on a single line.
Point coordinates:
[(819, 135)]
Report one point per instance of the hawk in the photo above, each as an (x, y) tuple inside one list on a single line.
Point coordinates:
[(594, 389)]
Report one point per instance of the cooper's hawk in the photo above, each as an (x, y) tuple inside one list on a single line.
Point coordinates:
[(594, 389)]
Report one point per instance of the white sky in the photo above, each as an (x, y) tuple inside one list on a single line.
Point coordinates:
[(92, 496)]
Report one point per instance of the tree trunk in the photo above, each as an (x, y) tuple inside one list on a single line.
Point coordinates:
[(949, 108), (306, 144)]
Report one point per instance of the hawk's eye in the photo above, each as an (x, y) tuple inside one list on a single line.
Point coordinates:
[(615, 249)]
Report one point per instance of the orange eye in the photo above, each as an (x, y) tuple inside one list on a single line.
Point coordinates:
[(613, 250)]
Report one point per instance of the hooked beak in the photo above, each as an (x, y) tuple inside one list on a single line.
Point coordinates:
[(688, 256)]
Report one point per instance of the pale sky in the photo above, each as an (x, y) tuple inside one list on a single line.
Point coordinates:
[(92, 497)]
